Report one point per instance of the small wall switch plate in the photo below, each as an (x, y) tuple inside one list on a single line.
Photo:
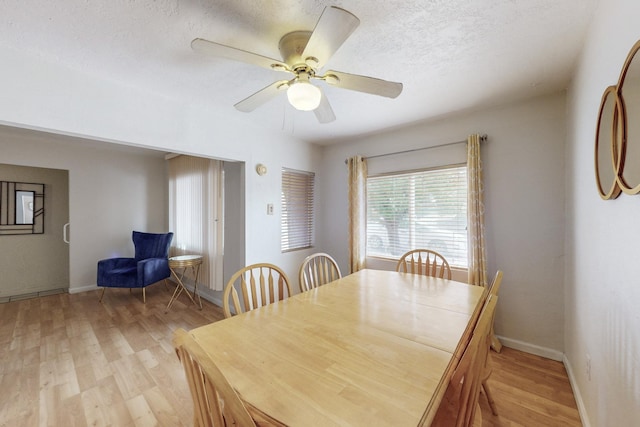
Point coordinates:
[(269, 208)]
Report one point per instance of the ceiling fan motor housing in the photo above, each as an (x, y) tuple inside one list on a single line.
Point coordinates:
[(291, 47)]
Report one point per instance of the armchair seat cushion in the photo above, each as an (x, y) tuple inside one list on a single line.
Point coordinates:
[(125, 277), (124, 271)]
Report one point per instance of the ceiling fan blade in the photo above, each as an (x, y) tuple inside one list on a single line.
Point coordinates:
[(262, 96), (223, 51), (324, 113), (363, 84), (333, 28)]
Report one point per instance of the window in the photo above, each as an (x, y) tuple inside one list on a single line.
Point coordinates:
[(195, 213), (425, 209), (297, 209)]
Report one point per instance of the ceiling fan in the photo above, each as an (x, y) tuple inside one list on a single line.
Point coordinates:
[(303, 54)]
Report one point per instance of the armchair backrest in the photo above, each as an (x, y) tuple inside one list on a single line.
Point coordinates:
[(151, 245)]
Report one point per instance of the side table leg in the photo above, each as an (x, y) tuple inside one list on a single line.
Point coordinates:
[(178, 290), (196, 271), (194, 263)]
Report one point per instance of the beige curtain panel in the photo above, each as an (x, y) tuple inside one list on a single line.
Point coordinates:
[(357, 166), (475, 206)]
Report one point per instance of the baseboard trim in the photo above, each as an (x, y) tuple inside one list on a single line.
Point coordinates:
[(582, 410), (30, 295), (204, 293), (79, 289), (211, 296), (549, 353)]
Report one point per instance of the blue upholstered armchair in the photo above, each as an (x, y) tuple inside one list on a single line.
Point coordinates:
[(149, 266)]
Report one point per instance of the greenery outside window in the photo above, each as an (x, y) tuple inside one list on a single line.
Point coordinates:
[(418, 209), (297, 220)]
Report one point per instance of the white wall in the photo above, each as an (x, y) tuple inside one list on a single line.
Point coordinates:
[(47, 96), (262, 230), (602, 269), (112, 191), (106, 182), (524, 199)]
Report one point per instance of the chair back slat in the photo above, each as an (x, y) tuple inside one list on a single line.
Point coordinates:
[(272, 293), (460, 400), (216, 403), (495, 285), (416, 266), (316, 270), (281, 287), (260, 285), (236, 300), (253, 290), (425, 262), (263, 288)]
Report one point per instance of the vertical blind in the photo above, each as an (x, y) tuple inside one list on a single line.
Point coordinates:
[(297, 209), (195, 214), (422, 209)]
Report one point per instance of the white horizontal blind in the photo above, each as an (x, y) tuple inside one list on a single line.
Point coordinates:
[(430, 158), (297, 209), (424, 209)]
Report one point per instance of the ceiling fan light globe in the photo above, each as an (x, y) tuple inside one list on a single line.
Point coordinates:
[(304, 96)]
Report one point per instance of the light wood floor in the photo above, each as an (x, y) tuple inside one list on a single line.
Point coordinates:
[(529, 391), (68, 360)]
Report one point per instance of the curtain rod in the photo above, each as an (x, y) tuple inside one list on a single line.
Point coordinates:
[(483, 138)]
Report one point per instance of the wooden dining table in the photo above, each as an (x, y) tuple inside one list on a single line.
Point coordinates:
[(373, 348)]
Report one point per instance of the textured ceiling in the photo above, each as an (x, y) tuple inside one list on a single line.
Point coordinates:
[(451, 55)]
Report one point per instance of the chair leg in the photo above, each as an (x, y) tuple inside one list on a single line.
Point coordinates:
[(477, 417), (144, 295), (496, 345), (102, 294), (487, 392)]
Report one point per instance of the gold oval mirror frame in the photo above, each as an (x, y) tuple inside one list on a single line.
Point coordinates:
[(609, 144), (628, 162), (617, 147)]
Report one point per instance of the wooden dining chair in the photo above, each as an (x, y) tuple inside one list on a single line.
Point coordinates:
[(425, 262), (316, 270), (260, 284), (216, 403), (459, 406), (488, 366), (493, 289)]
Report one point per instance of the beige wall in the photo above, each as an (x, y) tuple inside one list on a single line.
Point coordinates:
[(524, 185), (37, 262), (602, 269)]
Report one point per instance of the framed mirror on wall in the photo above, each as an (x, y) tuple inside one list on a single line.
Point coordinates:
[(628, 165), (617, 146), (21, 208), (609, 141)]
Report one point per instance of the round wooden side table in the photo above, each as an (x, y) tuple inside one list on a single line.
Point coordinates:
[(183, 262)]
